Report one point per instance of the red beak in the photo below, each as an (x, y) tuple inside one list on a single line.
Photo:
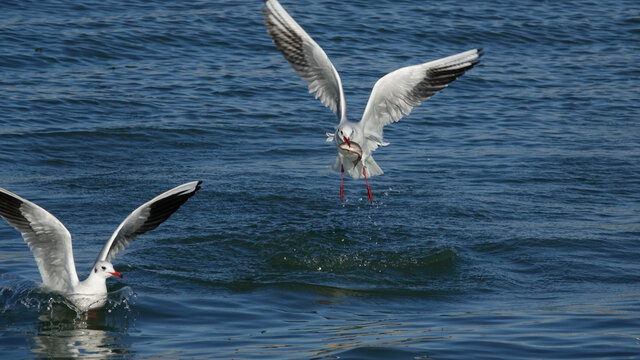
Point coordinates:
[(115, 273), (346, 139)]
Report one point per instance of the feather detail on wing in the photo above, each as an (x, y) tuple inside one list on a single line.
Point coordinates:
[(397, 93), (48, 239), (306, 57), (147, 217)]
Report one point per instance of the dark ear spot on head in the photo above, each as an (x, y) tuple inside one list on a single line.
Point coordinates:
[(95, 270)]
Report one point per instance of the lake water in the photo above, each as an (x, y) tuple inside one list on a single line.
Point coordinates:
[(506, 225)]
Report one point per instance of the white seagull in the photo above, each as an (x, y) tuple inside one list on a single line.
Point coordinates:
[(50, 242), (392, 97)]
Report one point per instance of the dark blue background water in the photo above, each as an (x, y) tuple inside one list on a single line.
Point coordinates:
[(506, 224)]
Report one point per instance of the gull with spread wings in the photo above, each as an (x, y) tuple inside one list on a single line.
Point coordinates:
[(393, 96), (50, 242)]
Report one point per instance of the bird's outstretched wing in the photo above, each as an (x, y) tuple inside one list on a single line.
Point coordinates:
[(306, 57), (395, 94), (147, 217), (48, 239)]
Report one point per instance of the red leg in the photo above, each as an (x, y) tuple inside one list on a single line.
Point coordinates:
[(341, 181), (369, 194), (92, 314)]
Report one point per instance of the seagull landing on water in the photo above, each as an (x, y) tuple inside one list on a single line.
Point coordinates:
[(392, 97), (50, 242)]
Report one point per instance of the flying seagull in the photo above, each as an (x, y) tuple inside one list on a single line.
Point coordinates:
[(50, 242), (393, 96)]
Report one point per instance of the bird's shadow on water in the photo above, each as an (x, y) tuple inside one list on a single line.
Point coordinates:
[(61, 331)]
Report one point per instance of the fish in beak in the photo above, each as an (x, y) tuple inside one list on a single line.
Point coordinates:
[(352, 150)]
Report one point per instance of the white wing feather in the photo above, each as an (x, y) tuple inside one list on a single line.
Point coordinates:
[(306, 57), (48, 239), (147, 217), (397, 93)]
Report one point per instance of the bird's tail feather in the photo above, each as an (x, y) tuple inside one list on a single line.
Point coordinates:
[(372, 167), (356, 171)]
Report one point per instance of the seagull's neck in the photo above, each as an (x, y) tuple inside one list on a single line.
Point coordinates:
[(93, 285)]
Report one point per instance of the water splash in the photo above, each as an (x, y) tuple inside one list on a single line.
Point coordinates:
[(18, 295), (15, 293)]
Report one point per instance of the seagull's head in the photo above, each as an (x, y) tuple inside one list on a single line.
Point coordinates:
[(345, 133), (105, 269)]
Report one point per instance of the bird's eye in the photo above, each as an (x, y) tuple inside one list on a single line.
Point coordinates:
[(104, 267)]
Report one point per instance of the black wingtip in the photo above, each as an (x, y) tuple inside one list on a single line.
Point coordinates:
[(10, 206), (479, 52)]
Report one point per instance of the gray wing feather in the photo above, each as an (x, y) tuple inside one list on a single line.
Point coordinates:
[(147, 217), (397, 93), (306, 57), (48, 239)]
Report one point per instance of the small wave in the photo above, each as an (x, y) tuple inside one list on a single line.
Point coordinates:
[(371, 352), (407, 263)]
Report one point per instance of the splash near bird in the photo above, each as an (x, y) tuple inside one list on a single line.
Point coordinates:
[(50, 242), (393, 96)]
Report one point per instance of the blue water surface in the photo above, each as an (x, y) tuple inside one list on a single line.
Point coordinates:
[(506, 225)]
